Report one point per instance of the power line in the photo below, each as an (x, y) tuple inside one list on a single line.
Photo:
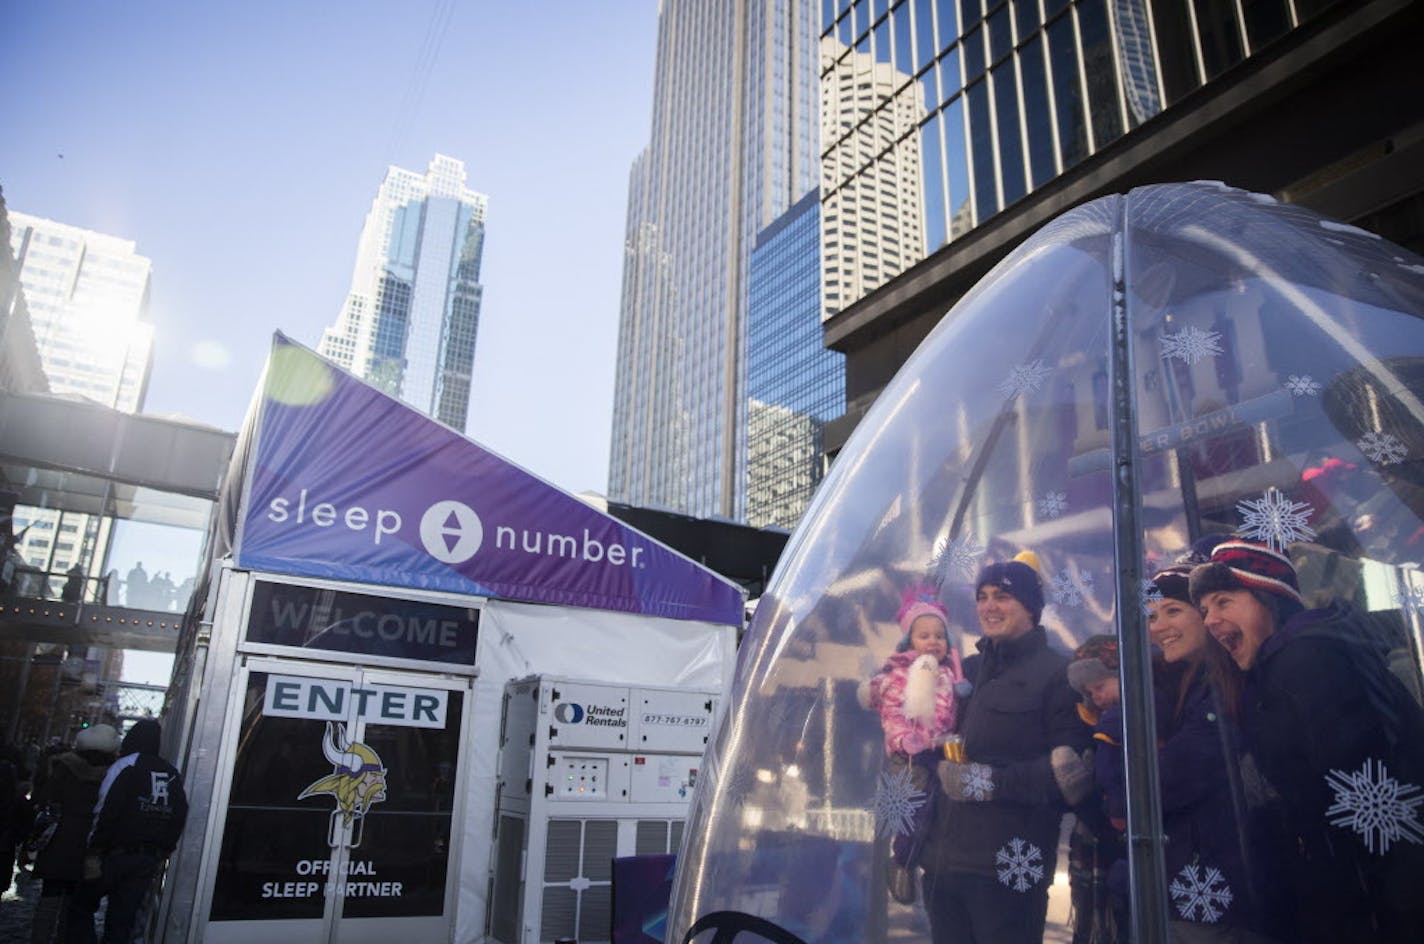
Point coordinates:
[(425, 61)]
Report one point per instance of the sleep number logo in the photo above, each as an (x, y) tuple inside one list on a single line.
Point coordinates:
[(451, 531)]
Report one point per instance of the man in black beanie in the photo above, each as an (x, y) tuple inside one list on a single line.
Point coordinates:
[(137, 822)]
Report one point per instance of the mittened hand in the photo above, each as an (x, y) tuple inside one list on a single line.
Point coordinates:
[(967, 782), (1073, 774)]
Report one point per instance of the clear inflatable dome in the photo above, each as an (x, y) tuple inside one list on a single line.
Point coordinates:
[(1147, 371)]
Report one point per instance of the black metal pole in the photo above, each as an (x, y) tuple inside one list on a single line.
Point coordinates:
[(1144, 798)]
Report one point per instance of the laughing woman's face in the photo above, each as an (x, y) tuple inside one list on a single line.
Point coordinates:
[(1240, 622)]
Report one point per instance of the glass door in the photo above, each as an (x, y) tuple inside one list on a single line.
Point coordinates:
[(340, 811), (396, 864)]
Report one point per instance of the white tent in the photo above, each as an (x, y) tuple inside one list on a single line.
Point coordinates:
[(368, 560)]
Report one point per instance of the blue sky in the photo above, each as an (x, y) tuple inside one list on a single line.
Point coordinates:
[(239, 144)]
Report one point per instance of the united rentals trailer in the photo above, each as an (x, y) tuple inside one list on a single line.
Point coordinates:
[(376, 580)]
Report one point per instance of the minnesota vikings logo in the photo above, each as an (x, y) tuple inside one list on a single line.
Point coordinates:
[(359, 782)]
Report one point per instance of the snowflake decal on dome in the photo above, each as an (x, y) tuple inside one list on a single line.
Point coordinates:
[(1191, 344), (1019, 864), (958, 556), (1201, 894), (977, 781), (1302, 385), (896, 801), (1149, 593), (740, 785), (1411, 600), (1384, 448), (1025, 379), (1069, 592), (1053, 504), (1275, 520), (785, 714), (1381, 809)]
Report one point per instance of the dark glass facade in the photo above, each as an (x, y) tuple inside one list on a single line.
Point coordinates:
[(794, 385), (996, 98)]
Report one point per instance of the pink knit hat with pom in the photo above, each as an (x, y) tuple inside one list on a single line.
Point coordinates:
[(919, 600)]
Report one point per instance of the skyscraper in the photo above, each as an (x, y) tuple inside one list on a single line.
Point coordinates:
[(409, 322), (794, 385), (872, 219), (734, 144), (1025, 109), (87, 295), (20, 368), (88, 301)]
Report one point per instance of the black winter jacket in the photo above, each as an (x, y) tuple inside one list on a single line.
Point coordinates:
[(70, 789), (1211, 844), (1335, 733), (1020, 709), (141, 805)]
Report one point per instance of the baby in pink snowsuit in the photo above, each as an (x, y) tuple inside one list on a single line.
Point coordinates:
[(915, 693), (915, 690)]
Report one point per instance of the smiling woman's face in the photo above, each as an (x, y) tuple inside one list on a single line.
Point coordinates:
[(1176, 628)]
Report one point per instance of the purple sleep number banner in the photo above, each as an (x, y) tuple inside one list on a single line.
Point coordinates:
[(348, 483)]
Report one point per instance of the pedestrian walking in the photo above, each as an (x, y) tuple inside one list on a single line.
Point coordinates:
[(137, 821)]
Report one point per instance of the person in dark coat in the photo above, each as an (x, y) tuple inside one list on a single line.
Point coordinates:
[(1222, 884), (70, 788), (1097, 842), (994, 845), (137, 821), (1338, 739), (11, 812)]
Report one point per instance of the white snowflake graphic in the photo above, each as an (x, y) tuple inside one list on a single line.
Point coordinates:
[(1149, 593), (1025, 379), (958, 556), (896, 801), (977, 781), (1302, 385), (1275, 520), (786, 715), (1070, 592), (1384, 448), (1410, 600), (1201, 895), (1382, 810), (740, 785), (1053, 504), (1191, 344), (1019, 864)]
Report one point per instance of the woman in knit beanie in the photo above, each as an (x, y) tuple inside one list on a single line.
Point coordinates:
[(1336, 736)]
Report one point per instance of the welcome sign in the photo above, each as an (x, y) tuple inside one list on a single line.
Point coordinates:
[(340, 621), (348, 483)]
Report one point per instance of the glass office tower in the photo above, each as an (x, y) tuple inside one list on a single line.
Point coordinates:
[(87, 294), (409, 322), (88, 302), (794, 385), (1008, 94), (733, 146)]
